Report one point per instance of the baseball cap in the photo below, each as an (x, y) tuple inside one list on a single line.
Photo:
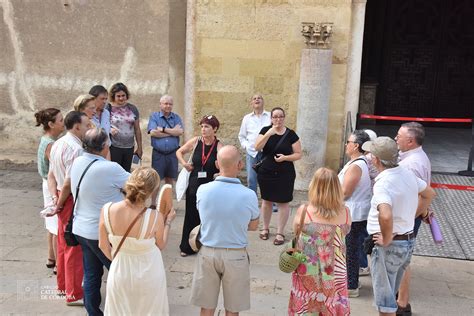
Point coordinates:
[(383, 148)]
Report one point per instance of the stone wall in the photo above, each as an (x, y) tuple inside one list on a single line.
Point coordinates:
[(247, 46), (52, 51)]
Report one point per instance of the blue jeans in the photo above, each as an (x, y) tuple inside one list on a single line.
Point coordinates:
[(251, 174), (387, 267), (94, 261)]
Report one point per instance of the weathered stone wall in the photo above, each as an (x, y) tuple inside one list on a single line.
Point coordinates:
[(52, 51), (251, 46)]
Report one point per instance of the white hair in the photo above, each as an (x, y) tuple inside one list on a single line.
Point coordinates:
[(166, 97)]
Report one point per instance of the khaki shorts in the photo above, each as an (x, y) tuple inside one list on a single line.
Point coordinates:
[(214, 265)]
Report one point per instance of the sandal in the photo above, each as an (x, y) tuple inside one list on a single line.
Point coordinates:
[(264, 234), (55, 270), (278, 242), (51, 263), (183, 254)]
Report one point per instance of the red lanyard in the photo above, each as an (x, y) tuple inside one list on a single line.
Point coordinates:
[(205, 158)]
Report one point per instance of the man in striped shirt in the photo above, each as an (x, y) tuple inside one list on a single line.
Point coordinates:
[(63, 153)]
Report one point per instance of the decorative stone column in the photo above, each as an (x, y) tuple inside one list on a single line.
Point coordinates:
[(313, 101), (354, 61), (189, 70)]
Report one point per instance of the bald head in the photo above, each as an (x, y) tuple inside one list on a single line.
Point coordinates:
[(229, 161), (95, 141)]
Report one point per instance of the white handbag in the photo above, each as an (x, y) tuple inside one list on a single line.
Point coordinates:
[(183, 177)]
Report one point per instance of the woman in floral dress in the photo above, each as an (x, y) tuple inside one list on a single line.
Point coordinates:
[(319, 285)]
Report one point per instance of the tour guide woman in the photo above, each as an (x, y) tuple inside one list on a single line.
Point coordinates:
[(276, 176), (202, 168)]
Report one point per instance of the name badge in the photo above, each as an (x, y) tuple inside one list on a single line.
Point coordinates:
[(202, 174)]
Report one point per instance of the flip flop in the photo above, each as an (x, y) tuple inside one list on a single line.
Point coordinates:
[(278, 242), (264, 236)]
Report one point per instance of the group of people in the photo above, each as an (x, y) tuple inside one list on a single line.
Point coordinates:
[(87, 184)]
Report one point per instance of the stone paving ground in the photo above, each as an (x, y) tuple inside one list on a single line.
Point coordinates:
[(440, 286)]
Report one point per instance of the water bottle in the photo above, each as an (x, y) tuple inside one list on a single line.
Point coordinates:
[(435, 230)]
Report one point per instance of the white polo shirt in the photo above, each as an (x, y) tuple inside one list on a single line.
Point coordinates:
[(251, 126), (399, 188), (417, 161)]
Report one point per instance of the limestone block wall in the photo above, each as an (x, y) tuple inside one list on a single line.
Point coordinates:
[(52, 51), (247, 46)]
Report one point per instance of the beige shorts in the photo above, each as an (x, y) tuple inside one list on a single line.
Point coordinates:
[(214, 265)]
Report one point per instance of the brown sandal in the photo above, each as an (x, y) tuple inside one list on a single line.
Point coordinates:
[(263, 235), (278, 242)]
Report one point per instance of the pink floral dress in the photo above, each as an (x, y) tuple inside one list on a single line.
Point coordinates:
[(319, 285)]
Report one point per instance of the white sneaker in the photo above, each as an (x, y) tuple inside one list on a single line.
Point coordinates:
[(364, 271), (354, 292), (76, 303)]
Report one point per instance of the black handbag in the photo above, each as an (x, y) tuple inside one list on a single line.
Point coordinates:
[(69, 237), (259, 163)]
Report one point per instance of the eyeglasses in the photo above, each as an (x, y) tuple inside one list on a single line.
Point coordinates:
[(278, 117)]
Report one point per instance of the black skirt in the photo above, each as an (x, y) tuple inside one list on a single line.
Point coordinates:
[(276, 186)]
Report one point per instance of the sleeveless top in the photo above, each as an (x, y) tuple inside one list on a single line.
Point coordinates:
[(43, 162), (359, 202), (210, 166)]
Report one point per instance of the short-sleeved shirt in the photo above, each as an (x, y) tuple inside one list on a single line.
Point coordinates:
[(285, 148), (399, 188), (123, 118), (226, 208), (43, 162), (168, 144), (417, 161), (103, 121), (100, 185), (63, 153)]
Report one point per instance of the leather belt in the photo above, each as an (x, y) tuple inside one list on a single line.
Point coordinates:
[(408, 236)]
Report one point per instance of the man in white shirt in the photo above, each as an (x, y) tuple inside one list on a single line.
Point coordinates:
[(102, 183), (252, 123), (398, 196), (409, 139), (63, 153)]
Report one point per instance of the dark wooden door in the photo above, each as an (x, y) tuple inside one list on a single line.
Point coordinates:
[(426, 67)]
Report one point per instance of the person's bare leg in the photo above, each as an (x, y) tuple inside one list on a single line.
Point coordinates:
[(386, 314), (227, 313), (55, 245), (207, 311), (283, 214), (404, 290), (266, 212)]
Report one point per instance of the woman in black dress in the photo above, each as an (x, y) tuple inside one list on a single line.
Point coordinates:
[(203, 168), (276, 176)]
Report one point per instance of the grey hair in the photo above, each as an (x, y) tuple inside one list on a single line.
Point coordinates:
[(95, 140), (360, 138), (416, 130), (166, 97), (388, 164)]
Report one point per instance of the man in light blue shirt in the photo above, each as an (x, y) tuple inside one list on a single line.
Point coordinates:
[(227, 210), (102, 183)]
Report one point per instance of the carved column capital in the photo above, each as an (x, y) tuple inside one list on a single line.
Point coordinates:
[(317, 35)]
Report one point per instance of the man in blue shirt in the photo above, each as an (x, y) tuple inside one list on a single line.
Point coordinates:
[(165, 128), (227, 210), (102, 183)]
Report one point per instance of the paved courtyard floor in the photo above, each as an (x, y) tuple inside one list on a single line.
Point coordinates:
[(440, 286)]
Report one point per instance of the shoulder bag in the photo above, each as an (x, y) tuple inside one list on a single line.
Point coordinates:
[(291, 257), (257, 165), (69, 237), (183, 177)]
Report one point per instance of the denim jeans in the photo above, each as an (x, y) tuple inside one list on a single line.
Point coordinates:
[(94, 261), (251, 174), (387, 267)]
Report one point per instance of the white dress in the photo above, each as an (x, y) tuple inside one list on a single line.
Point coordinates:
[(136, 284)]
